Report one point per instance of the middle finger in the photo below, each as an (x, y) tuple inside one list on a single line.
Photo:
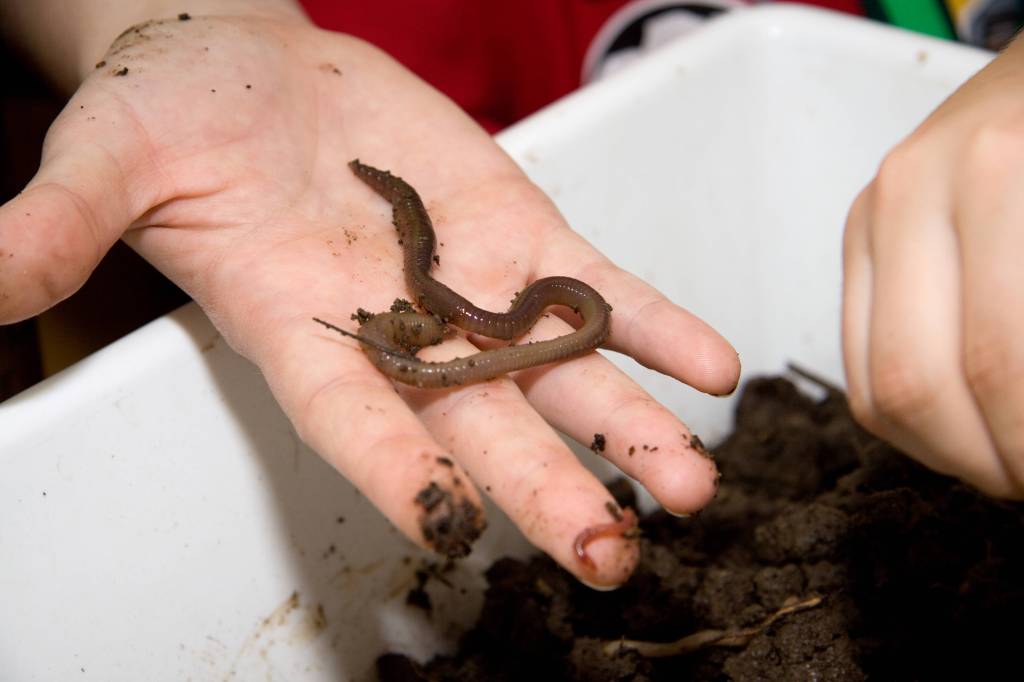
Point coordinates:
[(519, 460)]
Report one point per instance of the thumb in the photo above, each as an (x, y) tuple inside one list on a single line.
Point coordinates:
[(54, 233)]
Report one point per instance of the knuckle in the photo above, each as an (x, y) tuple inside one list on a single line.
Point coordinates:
[(896, 173), (902, 391), (991, 364), (993, 148)]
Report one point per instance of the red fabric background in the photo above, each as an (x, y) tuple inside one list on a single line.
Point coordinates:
[(500, 61)]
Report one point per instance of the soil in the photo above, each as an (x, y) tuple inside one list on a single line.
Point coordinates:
[(827, 555), (450, 523)]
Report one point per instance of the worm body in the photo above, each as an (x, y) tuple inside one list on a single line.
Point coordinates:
[(625, 522), (392, 339)]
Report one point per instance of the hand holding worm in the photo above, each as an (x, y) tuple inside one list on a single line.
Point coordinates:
[(391, 339), (223, 162)]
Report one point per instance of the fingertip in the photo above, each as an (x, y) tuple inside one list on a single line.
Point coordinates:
[(687, 482), (450, 515), (45, 254), (625, 562), (427, 496), (708, 362), (610, 560), (722, 375), (673, 341), (360, 426)]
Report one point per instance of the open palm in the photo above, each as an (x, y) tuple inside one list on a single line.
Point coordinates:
[(218, 148)]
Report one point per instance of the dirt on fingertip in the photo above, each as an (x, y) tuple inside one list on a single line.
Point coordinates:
[(450, 522), (827, 555)]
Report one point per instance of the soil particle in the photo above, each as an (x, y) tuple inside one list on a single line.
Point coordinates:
[(398, 668), (917, 573), (418, 596), (623, 493), (319, 619), (362, 316), (698, 445), (400, 305), (431, 496), (450, 524)]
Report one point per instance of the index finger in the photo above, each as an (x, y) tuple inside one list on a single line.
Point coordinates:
[(352, 416)]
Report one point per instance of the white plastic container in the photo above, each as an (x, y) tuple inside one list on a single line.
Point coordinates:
[(159, 519)]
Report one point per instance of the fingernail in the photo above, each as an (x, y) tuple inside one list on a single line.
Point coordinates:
[(599, 588)]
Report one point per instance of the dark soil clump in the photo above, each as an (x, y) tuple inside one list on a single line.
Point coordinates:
[(450, 524), (919, 577)]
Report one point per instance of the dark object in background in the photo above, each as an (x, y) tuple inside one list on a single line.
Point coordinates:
[(921, 576), (20, 366), (26, 108), (989, 24)]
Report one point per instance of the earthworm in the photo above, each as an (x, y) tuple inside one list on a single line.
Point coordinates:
[(625, 521), (392, 339)]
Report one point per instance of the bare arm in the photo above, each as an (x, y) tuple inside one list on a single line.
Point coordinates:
[(66, 39)]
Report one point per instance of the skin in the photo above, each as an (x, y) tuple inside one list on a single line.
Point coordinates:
[(391, 339), (933, 304), (243, 197), (625, 523)]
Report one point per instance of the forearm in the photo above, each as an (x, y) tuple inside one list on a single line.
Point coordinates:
[(66, 38)]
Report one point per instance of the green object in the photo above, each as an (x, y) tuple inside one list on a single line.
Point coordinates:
[(923, 16)]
